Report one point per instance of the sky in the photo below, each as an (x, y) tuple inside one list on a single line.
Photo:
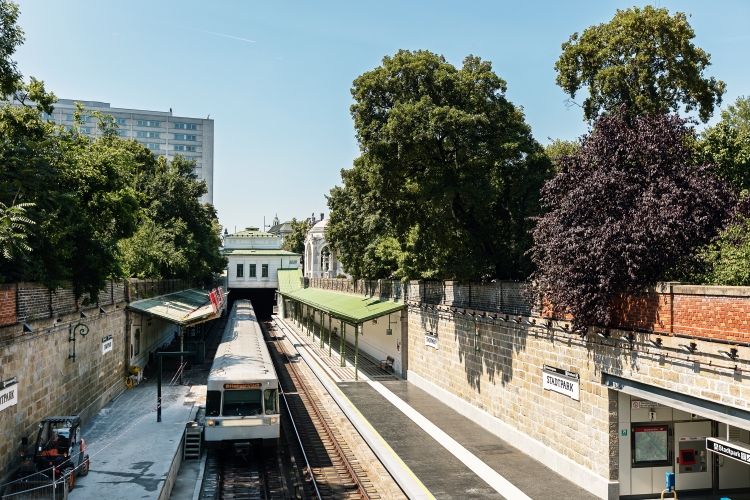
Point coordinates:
[(276, 75)]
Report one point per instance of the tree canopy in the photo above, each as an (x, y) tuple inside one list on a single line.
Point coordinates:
[(644, 59), (295, 242), (447, 176), (622, 212)]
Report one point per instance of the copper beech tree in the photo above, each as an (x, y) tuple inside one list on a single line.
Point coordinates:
[(622, 211)]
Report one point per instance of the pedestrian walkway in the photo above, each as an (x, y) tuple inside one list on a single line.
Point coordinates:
[(133, 456), (436, 448)]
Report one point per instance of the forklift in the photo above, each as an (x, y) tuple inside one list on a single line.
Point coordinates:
[(58, 458)]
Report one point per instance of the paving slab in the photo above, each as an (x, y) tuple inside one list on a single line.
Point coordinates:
[(131, 454)]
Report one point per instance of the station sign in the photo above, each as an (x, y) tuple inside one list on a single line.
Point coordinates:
[(561, 381), (107, 344), (729, 449), (431, 340), (9, 394)]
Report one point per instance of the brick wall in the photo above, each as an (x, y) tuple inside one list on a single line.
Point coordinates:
[(52, 383)]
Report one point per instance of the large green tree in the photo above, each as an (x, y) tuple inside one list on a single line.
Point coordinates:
[(447, 177), (644, 59)]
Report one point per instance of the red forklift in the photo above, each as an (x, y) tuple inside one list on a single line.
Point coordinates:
[(59, 457)]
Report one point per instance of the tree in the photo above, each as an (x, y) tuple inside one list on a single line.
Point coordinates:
[(728, 144), (295, 242), (642, 58), (447, 177), (177, 237), (623, 211), (559, 148)]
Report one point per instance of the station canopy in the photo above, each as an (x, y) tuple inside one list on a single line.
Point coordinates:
[(348, 307), (185, 308)]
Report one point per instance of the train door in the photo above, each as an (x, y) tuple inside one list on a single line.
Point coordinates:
[(692, 465), (733, 474)]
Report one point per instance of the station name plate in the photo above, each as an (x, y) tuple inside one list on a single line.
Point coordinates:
[(728, 449), (561, 381), (431, 340), (242, 386)]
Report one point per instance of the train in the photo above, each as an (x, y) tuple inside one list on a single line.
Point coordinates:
[(242, 398)]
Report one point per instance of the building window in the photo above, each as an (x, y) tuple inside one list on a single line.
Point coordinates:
[(252, 271), (152, 135), (153, 146), (83, 118), (241, 270), (121, 133), (144, 123), (121, 121), (137, 341), (186, 126), (264, 271), (179, 137), (84, 130), (47, 116), (191, 138), (191, 148), (179, 148)]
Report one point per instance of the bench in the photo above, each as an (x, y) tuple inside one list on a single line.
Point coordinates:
[(387, 364)]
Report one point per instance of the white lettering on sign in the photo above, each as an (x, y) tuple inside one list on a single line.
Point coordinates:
[(733, 450), (106, 344), (431, 340), (645, 404), (9, 396), (559, 383)]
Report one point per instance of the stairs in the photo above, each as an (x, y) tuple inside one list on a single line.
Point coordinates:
[(191, 447)]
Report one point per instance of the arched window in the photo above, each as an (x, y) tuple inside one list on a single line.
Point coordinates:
[(325, 259)]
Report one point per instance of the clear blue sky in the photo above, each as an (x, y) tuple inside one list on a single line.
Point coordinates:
[(275, 75)]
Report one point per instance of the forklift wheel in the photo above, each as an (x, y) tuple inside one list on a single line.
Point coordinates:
[(84, 466)]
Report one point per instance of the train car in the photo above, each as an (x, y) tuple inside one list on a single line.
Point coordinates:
[(242, 399)]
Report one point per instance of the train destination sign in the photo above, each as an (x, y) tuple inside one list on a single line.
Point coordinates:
[(561, 381), (242, 386), (9, 395), (729, 449)]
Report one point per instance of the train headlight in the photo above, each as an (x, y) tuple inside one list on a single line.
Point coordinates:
[(210, 423), (271, 420)]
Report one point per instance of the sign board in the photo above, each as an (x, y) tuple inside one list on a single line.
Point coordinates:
[(730, 449), (254, 385), (561, 381), (9, 396), (107, 344), (431, 340), (645, 404)]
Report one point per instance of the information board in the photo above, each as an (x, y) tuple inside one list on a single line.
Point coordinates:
[(736, 451), (107, 344)]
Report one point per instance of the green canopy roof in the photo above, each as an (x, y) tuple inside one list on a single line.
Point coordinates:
[(185, 308), (348, 307)]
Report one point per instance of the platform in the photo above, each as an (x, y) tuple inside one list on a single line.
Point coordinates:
[(131, 454), (440, 452)]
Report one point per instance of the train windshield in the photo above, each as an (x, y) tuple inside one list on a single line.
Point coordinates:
[(213, 403), (271, 402), (241, 403)]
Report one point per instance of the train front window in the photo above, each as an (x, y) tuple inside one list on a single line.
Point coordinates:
[(271, 401), (213, 403), (242, 403)]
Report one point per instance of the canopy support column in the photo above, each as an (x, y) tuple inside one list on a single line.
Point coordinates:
[(330, 331), (356, 350), (321, 329), (342, 340)]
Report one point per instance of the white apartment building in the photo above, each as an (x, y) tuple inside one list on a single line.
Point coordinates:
[(160, 131), (255, 258)]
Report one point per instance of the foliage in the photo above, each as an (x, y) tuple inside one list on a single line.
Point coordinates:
[(177, 237), (642, 58), (295, 242), (726, 261), (11, 37), (623, 211), (728, 144), (559, 148), (447, 176), (14, 229)]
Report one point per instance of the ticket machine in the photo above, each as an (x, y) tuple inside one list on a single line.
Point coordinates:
[(692, 462)]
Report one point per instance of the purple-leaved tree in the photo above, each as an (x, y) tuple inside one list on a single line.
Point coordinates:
[(622, 211)]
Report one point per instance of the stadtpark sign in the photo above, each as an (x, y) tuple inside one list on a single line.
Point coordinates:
[(561, 381)]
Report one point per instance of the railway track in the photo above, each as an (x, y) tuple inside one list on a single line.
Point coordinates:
[(325, 463)]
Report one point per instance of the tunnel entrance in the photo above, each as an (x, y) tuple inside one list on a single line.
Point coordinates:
[(263, 300)]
